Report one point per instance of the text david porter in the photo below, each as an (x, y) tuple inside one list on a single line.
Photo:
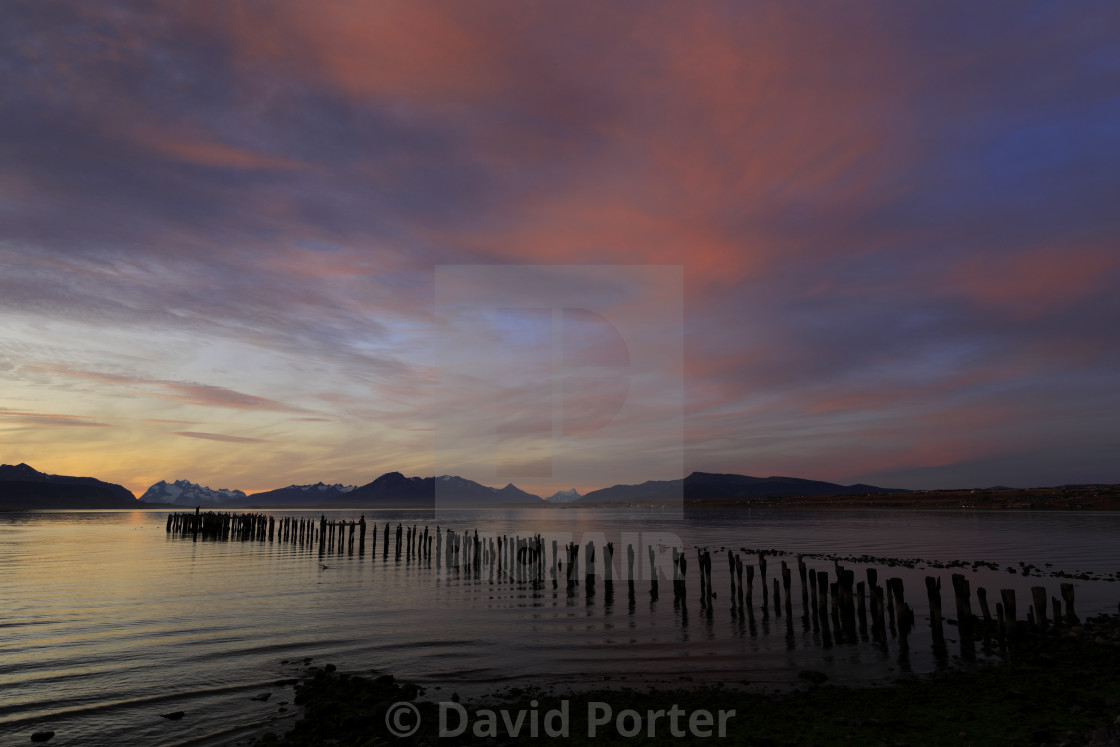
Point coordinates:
[(454, 720)]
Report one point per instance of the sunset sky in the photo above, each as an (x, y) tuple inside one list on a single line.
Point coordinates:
[(896, 228)]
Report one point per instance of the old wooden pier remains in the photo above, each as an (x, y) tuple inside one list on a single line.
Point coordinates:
[(829, 601)]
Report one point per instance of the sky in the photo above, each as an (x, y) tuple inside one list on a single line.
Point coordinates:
[(252, 244)]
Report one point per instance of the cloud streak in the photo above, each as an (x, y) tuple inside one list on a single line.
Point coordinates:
[(49, 420), (221, 437), (191, 393)]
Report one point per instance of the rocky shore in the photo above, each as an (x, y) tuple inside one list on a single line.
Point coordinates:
[(1056, 688)]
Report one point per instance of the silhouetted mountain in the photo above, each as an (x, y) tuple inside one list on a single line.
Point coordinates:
[(394, 489), (513, 494), (300, 495), (23, 488), (706, 485), (651, 490), (184, 493)]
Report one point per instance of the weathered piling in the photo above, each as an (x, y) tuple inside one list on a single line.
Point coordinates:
[(813, 591), (1038, 595), (982, 598), (762, 578), (731, 575), (1067, 596), (739, 581), (962, 595), (822, 602), (903, 613), (629, 567), (878, 623), (1010, 620), (589, 577), (933, 595), (804, 590), (703, 578), (861, 608), (847, 603)]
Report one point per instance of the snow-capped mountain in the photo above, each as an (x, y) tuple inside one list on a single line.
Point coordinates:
[(185, 493), (564, 496)]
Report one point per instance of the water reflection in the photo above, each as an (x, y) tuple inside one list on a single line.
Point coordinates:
[(106, 611)]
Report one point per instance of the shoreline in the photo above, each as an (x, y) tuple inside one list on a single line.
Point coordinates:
[(1059, 687)]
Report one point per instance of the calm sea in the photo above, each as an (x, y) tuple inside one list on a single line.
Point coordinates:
[(107, 621)]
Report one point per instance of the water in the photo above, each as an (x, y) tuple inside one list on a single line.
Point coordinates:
[(109, 622)]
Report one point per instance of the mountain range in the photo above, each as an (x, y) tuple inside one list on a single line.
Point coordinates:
[(184, 493), (708, 485), (24, 488), (564, 496)]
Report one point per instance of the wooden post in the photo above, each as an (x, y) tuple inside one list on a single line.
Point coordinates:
[(933, 593), (762, 579), (878, 624), (630, 568), (813, 590), (1067, 596), (801, 572), (962, 593), (683, 566), (897, 594), (861, 608), (1008, 597), (822, 599), (847, 603), (982, 597), (703, 581), (1038, 593), (890, 604)]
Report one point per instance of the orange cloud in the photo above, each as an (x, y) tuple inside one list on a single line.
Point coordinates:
[(395, 49)]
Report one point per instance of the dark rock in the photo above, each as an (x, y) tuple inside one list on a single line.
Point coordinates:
[(812, 676), (262, 697), (174, 716), (42, 736)]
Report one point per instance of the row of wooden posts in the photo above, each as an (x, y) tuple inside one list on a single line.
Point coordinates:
[(836, 605)]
